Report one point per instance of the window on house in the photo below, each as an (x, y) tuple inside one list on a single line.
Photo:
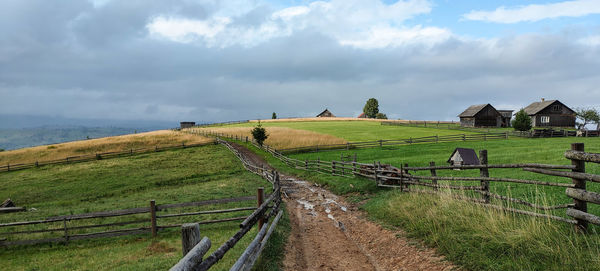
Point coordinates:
[(545, 119), (556, 107)]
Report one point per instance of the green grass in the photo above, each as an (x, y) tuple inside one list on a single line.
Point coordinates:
[(194, 174), (468, 235), (359, 130)]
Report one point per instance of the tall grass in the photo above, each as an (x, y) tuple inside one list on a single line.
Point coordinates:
[(91, 146), (282, 137), (479, 238)]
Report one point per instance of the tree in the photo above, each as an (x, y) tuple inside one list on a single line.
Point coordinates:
[(259, 134), (371, 108), (381, 116), (522, 121), (1, 150), (587, 116), (274, 116)]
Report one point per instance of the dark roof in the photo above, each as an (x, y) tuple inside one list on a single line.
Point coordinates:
[(472, 110), (506, 113), (536, 107), (468, 156), (325, 111)]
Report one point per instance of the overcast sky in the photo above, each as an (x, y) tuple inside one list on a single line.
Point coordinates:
[(204, 60)]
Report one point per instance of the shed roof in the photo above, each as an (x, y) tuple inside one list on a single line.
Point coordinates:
[(472, 110), (536, 107), (468, 156), (324, 112)]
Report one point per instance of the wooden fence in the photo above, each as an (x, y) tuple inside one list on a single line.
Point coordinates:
[(193, 259), (97, 156), (149, 224), (364, 144), (387, 176), (200, 125)]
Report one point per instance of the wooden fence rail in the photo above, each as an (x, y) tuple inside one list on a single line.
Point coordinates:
[(152, 221), (97, 156)]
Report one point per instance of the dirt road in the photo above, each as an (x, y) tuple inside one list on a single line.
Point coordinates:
[(330, 234)]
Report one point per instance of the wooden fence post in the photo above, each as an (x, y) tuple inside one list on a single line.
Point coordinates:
[(7, 166), (260, 195), (484, 172), (354, 157), (580, 205), (332, 167), (380, 143), (463, 137), (153, 218), (354, 168), (66, 230), (190, 237), (433, 174), (306, 164), (405, 172)]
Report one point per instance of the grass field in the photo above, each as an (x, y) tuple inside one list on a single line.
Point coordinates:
[(280, 137), (91, 146), (358, 130), (474, 237), (193, 174)]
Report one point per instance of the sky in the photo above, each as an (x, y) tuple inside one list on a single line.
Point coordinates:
[(212, 60)]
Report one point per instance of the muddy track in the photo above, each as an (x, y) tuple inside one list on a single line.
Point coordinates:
[(330, 234)]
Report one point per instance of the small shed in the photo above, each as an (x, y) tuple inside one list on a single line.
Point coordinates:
[(362, 115), (326, 114), (480, 115), (463, 156), (506, 117), (187, 124)]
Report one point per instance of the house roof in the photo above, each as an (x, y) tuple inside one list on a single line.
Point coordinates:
[(472, 110), (536, 107), (326, 111), (468, 156), (506, 113), (362, 115)]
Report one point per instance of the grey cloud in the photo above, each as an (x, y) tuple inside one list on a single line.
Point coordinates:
[(100, 63)]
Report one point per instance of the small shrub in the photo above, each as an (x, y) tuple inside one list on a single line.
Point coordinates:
[(51, 147), (1, 150), (381, 116), (522, 121), (259, 134), (371, 108), (274, 116)]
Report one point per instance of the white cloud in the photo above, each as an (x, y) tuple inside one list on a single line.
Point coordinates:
[(358, 23), (590, 40), (536, 12), (185, 30)]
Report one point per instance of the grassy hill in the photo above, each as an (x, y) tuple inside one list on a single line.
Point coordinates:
[(193, 174), (474, 237)]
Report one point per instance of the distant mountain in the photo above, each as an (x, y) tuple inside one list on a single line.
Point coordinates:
[(20, 131), (11, 139), (33, 121)]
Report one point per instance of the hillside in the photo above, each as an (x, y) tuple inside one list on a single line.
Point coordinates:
[(92, 146)]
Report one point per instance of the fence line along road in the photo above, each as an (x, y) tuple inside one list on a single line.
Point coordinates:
[(98, 156), (387, 176)]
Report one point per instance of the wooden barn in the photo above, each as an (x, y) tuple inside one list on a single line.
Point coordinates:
[(326, 114), (480, 115), (551, 113), (506, 117)]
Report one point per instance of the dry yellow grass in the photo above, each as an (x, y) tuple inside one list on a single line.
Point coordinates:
[(344, 119), (91, 146), (282, 137)]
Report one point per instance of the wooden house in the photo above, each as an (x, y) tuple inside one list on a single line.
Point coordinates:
[(480, 115), (326, 114), (506, 117), (463, 156), (187, 124), (551, 113)]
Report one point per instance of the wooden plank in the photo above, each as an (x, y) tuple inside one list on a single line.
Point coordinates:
[(207, 212), (584, 195), (567, 174), (12, 209), (190, 237), (123, 212), (252, 247), (491, 179), (205, 222), (190, 261), (580, 205), (201, 203), (580, 215), (584, 156), (526, 165), (79, 227)]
